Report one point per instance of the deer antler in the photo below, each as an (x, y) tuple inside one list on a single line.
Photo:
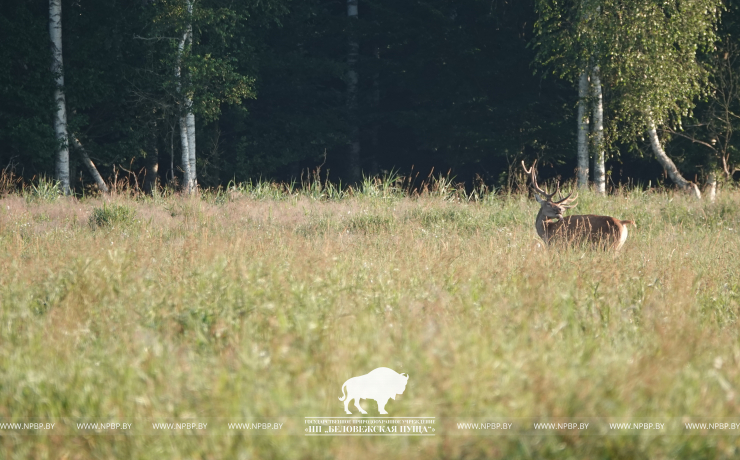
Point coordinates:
[(533, 174), (567, 200)]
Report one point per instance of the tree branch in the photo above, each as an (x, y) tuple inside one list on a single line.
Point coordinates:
[(692, 139)]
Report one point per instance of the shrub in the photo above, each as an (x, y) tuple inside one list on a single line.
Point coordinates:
[(110, 216), (45, 189)]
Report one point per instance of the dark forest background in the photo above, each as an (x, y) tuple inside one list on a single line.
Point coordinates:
[(443, 85)]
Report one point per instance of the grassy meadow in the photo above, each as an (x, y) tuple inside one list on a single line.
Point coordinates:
[(260, 302)]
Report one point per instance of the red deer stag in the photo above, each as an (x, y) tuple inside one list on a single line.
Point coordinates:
[(604, 231)]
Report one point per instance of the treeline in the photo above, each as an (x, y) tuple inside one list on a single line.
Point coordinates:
[(202, 92)]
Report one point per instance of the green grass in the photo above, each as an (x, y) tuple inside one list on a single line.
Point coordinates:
[(111, 216), (43, 190), (261, 300)]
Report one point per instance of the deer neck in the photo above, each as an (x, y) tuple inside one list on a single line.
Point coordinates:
[(543, 226)]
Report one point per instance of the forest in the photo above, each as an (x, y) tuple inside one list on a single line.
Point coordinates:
[(200, 93)]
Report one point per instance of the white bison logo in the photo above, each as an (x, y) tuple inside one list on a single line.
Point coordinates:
[(381, 385)]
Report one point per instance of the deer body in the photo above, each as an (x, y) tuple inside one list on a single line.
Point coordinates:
[(599, 230), (553, 227)]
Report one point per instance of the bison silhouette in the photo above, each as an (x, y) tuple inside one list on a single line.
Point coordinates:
[(381, 385)]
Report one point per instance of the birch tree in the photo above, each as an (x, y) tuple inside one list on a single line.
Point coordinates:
[(567, 45), (201, 40), (645, 49), (598, 133), (582, 120), (668, 165), (714, 126), (653, 67), (152, 163), (190, 118), (60, 116), (187, 118)]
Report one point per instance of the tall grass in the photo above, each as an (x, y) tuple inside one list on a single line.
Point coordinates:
[(261, 301)]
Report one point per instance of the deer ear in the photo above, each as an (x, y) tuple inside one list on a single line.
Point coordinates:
[(539, 200)]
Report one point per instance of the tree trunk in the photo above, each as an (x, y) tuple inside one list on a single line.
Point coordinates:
[(60, 117), (599, 167), (90, 166), (187, 181), (711, 189), (191, 147), (189, 105), (152, 165), (353, 158), (582, 130), (669, 166)]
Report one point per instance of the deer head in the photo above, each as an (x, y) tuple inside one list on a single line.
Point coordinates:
[(550, 209)]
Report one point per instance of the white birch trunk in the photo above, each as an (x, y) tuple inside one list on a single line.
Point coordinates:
[(185, 155), (184, 140), (60, 117), (353, 159), (90, 166), (583, 159), (191, 148), (669, 166), (184, 144), (711, 189), (152, 164), (598, 138), (191, 115)]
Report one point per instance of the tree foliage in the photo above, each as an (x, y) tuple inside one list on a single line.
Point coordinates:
[(653, 62), (647, 51)]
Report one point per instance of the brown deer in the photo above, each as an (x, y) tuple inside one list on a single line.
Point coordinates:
[(603, 231)]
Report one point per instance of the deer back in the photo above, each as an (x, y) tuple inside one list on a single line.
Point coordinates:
[(605, 231)]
